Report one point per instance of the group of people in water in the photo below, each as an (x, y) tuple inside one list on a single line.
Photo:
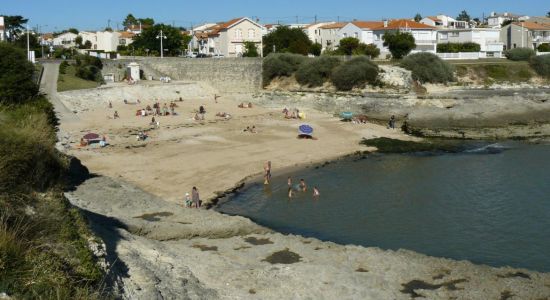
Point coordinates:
[(301, 187)]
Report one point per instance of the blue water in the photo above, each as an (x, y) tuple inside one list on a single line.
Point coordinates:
[(487, 205)]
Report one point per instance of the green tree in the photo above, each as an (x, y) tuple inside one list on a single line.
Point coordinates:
[(16, 84), (147, 21), (72, 30), (369, 50), (148, 39), (463, 16), (548, 14), (348, 45), (506, 22), (14, 26), (87, 45), (399, 43), (315, 49), (250, 50), (285, 39), (78, 41), (129, 21), (108, 29), (185, 41), (417, 17)]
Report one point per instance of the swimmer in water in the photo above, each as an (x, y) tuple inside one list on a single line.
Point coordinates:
[(290, 193), (316, 193), (303, 185), (289, 181)]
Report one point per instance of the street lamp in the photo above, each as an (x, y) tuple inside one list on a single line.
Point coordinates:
[(161, 37)]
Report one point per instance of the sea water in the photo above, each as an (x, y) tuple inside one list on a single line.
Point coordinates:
[(489, 204)]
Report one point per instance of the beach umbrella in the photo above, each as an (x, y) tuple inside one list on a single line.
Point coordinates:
[(305, 129), (91, 136)]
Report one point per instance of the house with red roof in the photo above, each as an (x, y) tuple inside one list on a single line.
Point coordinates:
[(526, 34), (361, 30), (425, 36)]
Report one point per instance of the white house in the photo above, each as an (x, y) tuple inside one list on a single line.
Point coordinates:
[(229, 38), (89, 36), (487, 38), (107, 41), (126, 38), (525, 34), (425, 36), (495, 19), (443, 21), (361, 30), (2, 29), (313, 31), (65, 40), (329, 37)]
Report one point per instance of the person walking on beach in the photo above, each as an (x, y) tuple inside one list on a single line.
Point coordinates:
[(267, 172), (303, 185), (391, 123), (195, 197)]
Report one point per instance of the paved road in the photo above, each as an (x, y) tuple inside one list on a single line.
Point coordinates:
[(48, 86)]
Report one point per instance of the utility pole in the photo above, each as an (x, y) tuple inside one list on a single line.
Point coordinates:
[(521, 34), (28, 45), (161, 37), (139, 27)]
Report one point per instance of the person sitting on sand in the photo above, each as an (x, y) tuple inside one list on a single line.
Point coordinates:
[(115, 115), (125, 101), (249, 104), (149, 109), (153, 121), (180, 100), (188, 201), (243, 105), (303, 185), (198, 117), (253, 129), (202, 111), (83, 142)]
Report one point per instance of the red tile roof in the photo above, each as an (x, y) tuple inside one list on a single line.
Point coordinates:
[(434, 19), (404, 24), (368, 24), (533, 25), (334, 26), (230, 23), (126, 34)]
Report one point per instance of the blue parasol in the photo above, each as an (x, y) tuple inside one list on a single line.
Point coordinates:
[(305, 129)]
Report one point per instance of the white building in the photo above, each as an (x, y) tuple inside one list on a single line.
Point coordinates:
[(89, 37), (495, 19), (230, 37), (487, 38), (313, 31), (525, 34), (2, 29), (443, 21), (425, 36), (361, 30), (328, 35), (65, 40), (107, 41)]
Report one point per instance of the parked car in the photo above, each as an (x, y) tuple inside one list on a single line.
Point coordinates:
[(218, 56), (191, 55)]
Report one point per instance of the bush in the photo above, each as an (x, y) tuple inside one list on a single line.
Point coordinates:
[(427, 67), (16, 84), (63, 67), (315, 71), (518, 54), (369, 50), (544, 47), (399, 43), (280, 64), (458, 47), (541, 64), (354, 73)]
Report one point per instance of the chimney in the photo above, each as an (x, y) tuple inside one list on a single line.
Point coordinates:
[(385, 23)]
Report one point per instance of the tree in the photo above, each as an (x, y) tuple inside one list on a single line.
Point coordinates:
[(148, 39), (506, 22), (463, 16), (417, 17), (147, 21), (78, 41), (72, 30), (399, 43), (16, 79), (315, 49), (548, 14), (285, 39), (185, 41), (348, 45), (129, 21), (108, 29), (87, 45), (369, 50), (250, 50), (14, 26)]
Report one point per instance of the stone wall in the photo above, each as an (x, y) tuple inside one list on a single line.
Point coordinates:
[(227, 75)]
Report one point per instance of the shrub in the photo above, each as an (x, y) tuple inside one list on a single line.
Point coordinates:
[(316, 49), (518, 54), (315, 71), (458, 47), (541, 64), (280, 64), (63, 67), (427, 67), (399, 43), (544, 47), (354, 73), (369, 50), (16, 84)]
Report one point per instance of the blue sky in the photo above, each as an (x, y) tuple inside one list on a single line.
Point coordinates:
[(95, 14)]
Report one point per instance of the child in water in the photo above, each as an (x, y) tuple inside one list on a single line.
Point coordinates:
[(303, 185), (315, 193), (290, 193)]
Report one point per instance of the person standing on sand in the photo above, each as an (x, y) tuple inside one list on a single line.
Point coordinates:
[(391, 123), (267, 172), (303, 185), (195, 197)]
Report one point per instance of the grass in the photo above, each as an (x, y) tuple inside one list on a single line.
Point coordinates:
[(43, 239), (68, 81), (513, 72)]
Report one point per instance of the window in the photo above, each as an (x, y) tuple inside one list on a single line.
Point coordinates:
[(345, 34), (238, 34), (251, 33), (122, 41), (356, 35)]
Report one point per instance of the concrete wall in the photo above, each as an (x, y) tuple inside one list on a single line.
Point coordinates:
[(228, 75)]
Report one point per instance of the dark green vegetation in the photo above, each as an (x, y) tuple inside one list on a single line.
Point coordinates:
[(172, 45), (352, 46), (43, 240), (519, 54), (354, 73), (388, 145), (544, 47), (541, 65), (287, 40), (428, 67), (458, 47), (316, 71), (490, 73), (16, 85), (411, 287), (399, 43), (250, 50), (85, 73)]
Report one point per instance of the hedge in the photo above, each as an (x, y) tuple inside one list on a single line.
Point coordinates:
[(458, 47)]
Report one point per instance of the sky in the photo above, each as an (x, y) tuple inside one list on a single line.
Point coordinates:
[(56, 15)]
